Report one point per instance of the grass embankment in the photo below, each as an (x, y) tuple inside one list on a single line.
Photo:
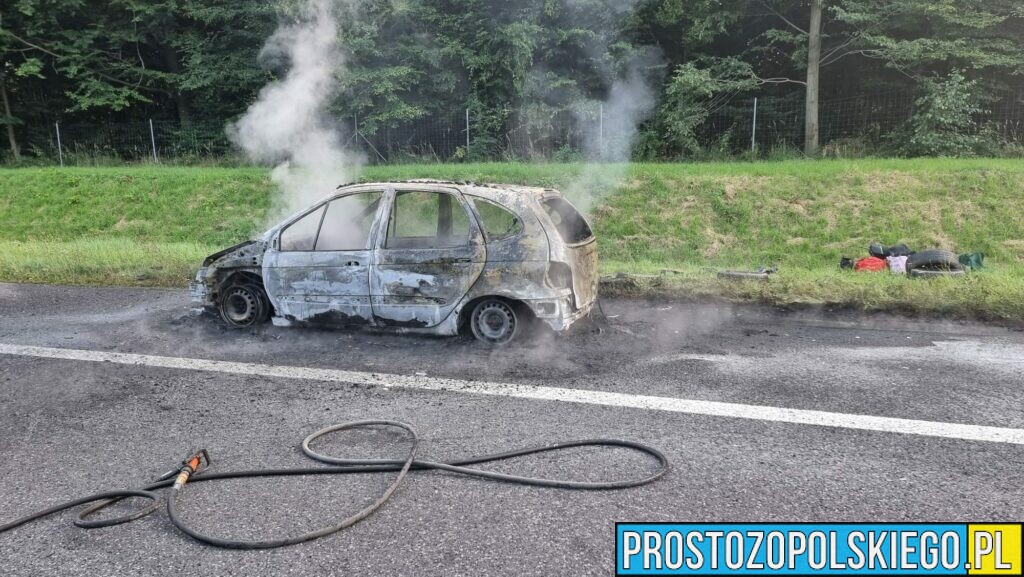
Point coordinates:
[(151, 225)]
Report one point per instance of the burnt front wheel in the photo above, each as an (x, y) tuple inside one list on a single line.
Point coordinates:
[(494, 322), (244, 305)]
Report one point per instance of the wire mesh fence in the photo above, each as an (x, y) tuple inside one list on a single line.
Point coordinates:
[(857, 125)]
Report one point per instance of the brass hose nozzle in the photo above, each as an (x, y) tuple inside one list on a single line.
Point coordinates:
[(198, 461)]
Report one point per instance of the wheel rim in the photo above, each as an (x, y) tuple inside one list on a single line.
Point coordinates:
[(495, 322), (240, 306)]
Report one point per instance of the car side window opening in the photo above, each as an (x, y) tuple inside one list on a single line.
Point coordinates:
[(301, 234), (348, 221), (497, 221), (427, 220), (571, 225)]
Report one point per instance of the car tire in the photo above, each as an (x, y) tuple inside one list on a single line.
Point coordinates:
[(934, 260), (922, 273), (495, 322), (243, 306)]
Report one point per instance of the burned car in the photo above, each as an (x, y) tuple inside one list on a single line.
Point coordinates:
[(420, 256)]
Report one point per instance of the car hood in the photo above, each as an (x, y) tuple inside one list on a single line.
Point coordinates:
[(217, 255)]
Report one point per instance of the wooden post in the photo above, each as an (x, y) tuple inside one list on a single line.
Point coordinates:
[(60, 149), (152, 140), (753, 129)]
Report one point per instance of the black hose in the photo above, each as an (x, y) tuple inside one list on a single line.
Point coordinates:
[(340, 466)]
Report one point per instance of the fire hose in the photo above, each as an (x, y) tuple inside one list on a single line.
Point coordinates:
[(194, 470)]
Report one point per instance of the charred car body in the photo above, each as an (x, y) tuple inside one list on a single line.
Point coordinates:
[(421, 256)]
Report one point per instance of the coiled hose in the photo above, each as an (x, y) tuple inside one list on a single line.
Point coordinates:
[(338, 466)]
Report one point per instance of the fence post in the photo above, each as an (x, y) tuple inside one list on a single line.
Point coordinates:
[(600, 131), (60, 151), (467, 131), (152, 140), (753, 129)]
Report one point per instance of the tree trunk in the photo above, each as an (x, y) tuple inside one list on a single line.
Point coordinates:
[(9, 120), (181, 100), (811, 145)]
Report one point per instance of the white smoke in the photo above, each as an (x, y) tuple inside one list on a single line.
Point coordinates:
[(608, 143), (289, 124), (614, 123), (629, 101)]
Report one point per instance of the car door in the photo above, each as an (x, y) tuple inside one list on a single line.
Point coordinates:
[(430, 251), (317, 270)]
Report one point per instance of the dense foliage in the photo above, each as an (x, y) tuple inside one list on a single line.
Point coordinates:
[(529, 62)]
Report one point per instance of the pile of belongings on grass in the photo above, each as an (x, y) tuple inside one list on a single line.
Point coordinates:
[(900, 259)]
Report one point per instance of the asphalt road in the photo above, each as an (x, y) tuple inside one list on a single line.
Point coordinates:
[(72, 427)]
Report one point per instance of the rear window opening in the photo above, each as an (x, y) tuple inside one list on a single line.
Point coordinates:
[(498, 222), (571, 225)]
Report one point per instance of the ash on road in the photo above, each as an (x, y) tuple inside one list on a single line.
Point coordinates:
[(72, 427)]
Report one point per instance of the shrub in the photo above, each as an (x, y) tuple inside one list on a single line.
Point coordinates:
[(943, 123)]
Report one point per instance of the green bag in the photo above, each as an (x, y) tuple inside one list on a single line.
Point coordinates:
[(973, 260)]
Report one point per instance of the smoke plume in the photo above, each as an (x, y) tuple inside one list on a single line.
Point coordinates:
[(289, 125), (610, 142), (613, 123)]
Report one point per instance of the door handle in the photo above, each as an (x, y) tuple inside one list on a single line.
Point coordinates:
[(353, 263)]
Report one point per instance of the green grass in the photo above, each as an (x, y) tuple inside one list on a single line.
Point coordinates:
[(151, 225), (100, 261), (994, 295)]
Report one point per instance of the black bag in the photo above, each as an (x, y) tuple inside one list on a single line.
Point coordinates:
[(882, 252), (846, 263), (899, 250)]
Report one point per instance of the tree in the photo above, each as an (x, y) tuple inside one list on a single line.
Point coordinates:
[(528, 63), (800, 40), (124, 54), (921, 38), (17, 66), (943, 123), (811, 146), (879, 42), (8, 119), (83, 44)]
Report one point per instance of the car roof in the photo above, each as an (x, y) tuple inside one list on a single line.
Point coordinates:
[(490, 191)]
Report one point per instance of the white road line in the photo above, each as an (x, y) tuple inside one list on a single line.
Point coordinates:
[(696, 407)]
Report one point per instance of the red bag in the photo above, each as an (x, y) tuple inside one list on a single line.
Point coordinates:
[(870, 264)]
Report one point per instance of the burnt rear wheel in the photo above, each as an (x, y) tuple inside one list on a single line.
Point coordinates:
[(494, 322), (243, 306)]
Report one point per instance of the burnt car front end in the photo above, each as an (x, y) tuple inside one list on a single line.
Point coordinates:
[(239, 262)]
